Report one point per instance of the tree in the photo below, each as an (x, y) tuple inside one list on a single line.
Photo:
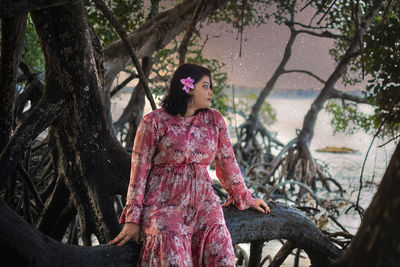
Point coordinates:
[(380, 68), (91, 165), (377, 240), (295, 161), (80, 168)]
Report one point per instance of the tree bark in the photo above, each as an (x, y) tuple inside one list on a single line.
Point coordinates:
[(57, 213), (12, 40), (10, 8), (93, 164), (377, 242), (22, 245), (245, 226), (282, 223)]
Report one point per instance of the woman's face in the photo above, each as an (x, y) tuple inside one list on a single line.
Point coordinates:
[(201, 93)]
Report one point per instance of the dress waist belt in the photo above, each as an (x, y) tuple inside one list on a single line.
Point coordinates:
[(200, 169)]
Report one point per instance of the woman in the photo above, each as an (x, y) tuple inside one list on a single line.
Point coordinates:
[(170, 200)]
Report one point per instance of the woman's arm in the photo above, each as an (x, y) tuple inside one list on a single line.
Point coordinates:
[(228, 172), (142, 153)]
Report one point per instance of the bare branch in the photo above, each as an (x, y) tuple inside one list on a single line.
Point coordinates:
[(325, 34), (342, 95), (160, 79), (309, 26), (306, 72), (123, 84)]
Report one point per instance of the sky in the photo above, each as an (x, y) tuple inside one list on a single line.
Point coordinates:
[(263, 50)]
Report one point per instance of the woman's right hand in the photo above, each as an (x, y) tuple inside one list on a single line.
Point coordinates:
[(130, 231)]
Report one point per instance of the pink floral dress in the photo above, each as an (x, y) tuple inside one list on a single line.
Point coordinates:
[(170, 190)]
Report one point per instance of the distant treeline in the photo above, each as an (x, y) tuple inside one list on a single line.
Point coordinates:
[(277, 93), (284, 93)]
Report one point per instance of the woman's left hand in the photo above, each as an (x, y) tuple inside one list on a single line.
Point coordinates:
[(261, 206)]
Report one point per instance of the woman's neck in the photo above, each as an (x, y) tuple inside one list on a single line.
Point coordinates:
[(189, 112)]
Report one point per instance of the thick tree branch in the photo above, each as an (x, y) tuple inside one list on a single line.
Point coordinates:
[(156, 33), (283, 222), (346, 96), (38, 249), (324, 34), (10, 8), (244, 226), (189, 32), (377, 240), (308, 73)]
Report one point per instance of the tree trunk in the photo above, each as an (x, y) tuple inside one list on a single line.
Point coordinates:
[(327, 92), (377, 242), (22, 245), (253, 120), (92, 163), (12, 39)]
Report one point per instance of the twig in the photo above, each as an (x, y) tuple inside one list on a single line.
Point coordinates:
[(241, 27), (123, 84), (338, 224), (354, 15), (326, 12), (394, 138)]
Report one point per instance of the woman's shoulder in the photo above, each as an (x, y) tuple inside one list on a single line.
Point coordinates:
[(216, 115), (154, 115), (162, 115)]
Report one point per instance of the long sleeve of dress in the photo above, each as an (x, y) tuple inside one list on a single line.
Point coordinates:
[(142, 154), (228, 171)]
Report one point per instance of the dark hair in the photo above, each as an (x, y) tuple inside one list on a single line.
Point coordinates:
[(175, 102)]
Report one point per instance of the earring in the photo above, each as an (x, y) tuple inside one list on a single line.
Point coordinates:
[(192, 100)]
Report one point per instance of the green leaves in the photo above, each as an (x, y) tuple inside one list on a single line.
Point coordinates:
[(32, 53), (130, 13), (245, 104), (381, 46), (348, 119)]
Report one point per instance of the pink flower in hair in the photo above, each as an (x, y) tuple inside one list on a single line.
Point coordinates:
[(188, 83)]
